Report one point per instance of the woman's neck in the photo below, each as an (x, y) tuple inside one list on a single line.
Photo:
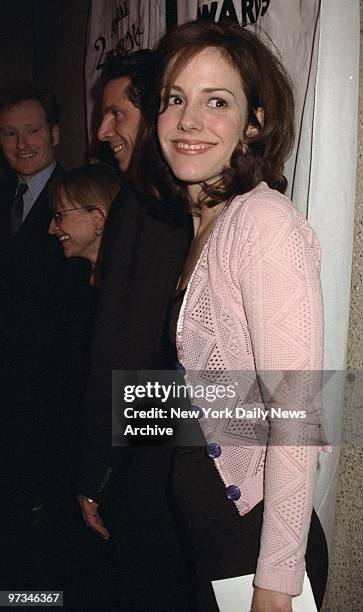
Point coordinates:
[(93, 261), (203, 226), (206, 218), (194, 191), (93, 251)]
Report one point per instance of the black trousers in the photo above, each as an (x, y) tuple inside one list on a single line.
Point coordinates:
[(218, 542), (142, 566), (172, 533)]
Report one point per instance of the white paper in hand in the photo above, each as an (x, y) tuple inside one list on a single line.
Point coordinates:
[(235, 595)]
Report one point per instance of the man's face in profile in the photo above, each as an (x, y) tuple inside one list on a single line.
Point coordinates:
[(120, 121)]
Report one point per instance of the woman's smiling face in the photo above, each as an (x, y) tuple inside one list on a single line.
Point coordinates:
[(75, 227), (204, 120)]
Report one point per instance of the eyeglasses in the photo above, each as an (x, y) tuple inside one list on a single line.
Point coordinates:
[(57, 216)]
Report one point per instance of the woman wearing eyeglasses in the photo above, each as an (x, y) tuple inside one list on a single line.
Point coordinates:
[(81, 200)]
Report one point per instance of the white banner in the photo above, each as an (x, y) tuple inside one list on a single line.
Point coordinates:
[(332, 183)]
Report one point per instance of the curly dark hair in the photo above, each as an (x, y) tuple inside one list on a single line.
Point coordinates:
[(140, 67), (265, 84)]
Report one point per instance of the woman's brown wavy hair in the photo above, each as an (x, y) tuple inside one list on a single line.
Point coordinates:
[(265, 84)]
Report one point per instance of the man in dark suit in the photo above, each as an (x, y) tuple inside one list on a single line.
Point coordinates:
[(131, 237), (143, 255), (38, 290)]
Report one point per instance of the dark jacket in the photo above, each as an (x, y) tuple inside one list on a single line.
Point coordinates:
[(143, 258), (40, 296)]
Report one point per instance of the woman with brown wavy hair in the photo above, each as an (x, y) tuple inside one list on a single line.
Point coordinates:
[(248, 302)]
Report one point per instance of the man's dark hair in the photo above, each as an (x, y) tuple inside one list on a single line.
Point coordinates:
[(15, 94), (140, 67)]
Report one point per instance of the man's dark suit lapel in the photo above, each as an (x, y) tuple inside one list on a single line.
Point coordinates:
[(38, 218), (7, 194)]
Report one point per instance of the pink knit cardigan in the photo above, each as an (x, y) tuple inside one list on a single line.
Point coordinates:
[(253, 304)]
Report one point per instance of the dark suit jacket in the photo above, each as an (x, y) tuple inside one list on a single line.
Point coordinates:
[(39, 293), (143, 257)]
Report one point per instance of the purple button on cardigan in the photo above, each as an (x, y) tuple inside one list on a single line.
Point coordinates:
[(213, 450), (233, 492)]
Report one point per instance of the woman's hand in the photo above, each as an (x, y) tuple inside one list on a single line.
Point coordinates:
[(91, 517), (270, 601)]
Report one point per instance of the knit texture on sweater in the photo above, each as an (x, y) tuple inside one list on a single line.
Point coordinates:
[(253, 309)]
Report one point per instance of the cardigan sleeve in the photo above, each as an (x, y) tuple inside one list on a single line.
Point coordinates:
[(280, 286)]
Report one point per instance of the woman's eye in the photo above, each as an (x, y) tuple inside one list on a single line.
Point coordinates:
[(175, 100), (217, 103)]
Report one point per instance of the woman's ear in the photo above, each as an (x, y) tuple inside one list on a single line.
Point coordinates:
[(99, 217), (252, 130), (260, 114)]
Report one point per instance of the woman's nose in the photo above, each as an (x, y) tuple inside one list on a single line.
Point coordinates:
[(190, 118)]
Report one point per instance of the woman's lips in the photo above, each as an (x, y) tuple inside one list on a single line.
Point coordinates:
[(187, 147)]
